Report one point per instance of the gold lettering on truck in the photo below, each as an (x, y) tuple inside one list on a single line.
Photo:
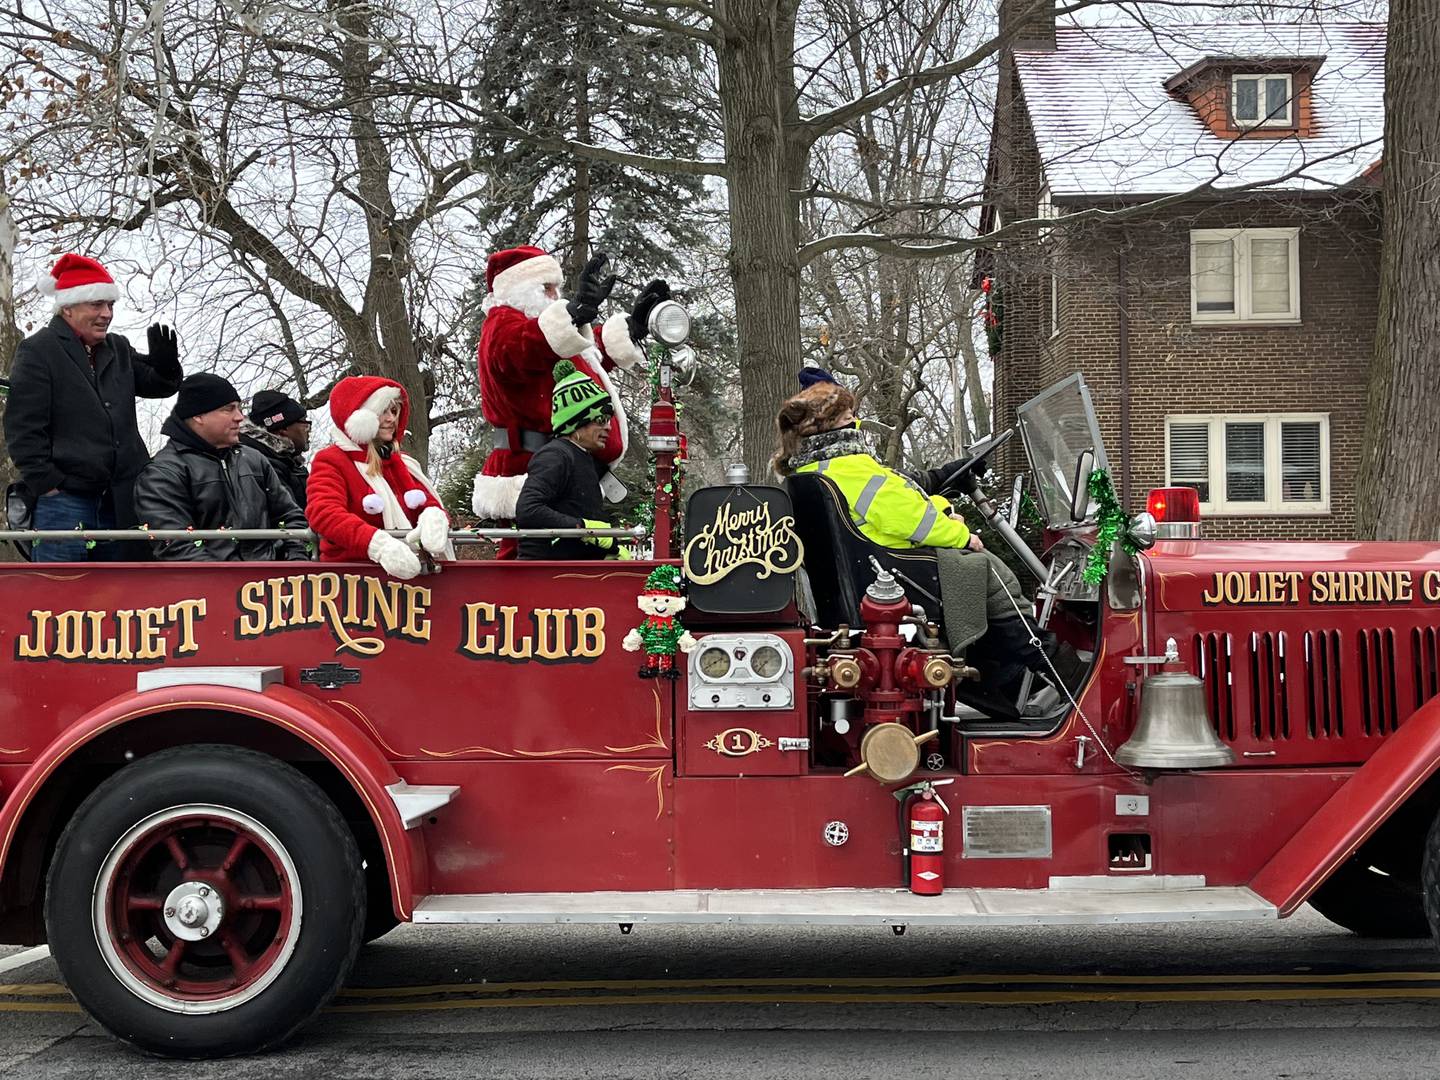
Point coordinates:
[(112, 637), (1247, 588)]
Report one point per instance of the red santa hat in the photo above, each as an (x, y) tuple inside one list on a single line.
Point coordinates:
[(78, 279), (357, 403), (518, 269)]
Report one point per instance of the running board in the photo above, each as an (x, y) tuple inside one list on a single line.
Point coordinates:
[(848, 907)]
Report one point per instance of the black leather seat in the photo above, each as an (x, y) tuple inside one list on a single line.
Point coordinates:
[(837, 555)]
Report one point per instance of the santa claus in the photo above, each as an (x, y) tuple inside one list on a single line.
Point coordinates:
[(528, 327)]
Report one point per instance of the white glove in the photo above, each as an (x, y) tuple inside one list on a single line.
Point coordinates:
[(632, 641), (394, 557), (432, 531)]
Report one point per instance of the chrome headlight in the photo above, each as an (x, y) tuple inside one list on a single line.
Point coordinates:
[(669, 323)]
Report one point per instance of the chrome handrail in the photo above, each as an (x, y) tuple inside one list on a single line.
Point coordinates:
[(458, 536)]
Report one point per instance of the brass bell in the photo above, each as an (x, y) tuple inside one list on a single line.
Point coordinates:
[(1174, 730)]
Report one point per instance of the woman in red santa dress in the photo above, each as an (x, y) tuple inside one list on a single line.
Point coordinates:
[(528, 327), (363, 484)]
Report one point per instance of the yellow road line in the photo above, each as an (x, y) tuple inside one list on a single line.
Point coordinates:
[(31, 989), (979, 997), (39, 1007)]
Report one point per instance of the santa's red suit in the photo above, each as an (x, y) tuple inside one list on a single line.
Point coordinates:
[(524, 334), (350, 508)]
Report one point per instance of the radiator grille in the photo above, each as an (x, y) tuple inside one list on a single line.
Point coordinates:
[(1425, 648), (1376, 649), (1324, 685)]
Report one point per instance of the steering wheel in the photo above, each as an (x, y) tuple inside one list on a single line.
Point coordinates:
[(963, 479)]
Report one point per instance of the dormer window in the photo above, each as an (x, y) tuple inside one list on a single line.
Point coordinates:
[(1261, 101)]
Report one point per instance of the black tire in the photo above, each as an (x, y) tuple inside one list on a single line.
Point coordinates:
[(1372, 904), (198, 792), (1430, 879)]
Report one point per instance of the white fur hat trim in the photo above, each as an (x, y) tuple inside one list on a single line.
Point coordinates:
[(363, 424), (536, 270)]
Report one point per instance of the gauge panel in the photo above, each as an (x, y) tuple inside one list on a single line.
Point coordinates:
[(742, 671)]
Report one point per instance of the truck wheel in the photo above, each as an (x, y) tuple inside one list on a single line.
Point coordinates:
[(1372, 904), (205, 901)]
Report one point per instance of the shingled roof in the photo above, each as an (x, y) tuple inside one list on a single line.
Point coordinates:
[(1105, 124)]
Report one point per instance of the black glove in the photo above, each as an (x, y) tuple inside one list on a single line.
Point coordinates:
[(164, 349), (590, 291), (639, 320)]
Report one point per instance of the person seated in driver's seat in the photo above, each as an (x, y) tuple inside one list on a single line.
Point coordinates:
[(818, 433)]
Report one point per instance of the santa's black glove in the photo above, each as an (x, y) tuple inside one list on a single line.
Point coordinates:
[(639, 321), (591, 291), (164, 349)]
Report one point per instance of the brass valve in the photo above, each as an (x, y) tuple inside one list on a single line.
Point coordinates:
[(819, 673), (937, 672), (845, 672)]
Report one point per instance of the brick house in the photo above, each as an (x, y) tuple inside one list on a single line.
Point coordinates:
[(1216, 279)]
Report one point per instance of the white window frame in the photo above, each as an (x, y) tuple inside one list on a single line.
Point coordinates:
[(1261, 120), (1048, 211), (1274, 505), (1241, 238)]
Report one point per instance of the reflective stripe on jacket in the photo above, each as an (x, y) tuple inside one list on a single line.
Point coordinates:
[(889, 509)]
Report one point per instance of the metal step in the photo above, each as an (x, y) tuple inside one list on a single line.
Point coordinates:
[(1067, 905)]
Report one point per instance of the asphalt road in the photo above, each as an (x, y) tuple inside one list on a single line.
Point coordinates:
[(1296, 999)]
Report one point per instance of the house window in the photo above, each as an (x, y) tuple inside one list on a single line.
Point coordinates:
[(1261, 101), (1245, 275), (1265, 464)]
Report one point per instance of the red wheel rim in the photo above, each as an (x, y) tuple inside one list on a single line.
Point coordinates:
[(200, 908)]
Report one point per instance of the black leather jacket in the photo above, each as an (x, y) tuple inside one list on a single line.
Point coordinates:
[(190, 484)]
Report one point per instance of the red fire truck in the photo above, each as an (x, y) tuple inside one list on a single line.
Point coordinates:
[(217, 781)]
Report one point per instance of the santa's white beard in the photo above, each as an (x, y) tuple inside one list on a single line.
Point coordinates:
[(530, 299)]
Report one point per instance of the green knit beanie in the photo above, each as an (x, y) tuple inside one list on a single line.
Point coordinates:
[(576, 400)]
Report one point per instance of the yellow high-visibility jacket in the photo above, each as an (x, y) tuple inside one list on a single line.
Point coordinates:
[(888, 508)]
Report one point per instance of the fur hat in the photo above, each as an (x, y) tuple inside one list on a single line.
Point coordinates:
[(78, 279), (357, 403), (817, 408)]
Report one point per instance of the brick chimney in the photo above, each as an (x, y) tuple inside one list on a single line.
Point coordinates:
[(1034, 21)]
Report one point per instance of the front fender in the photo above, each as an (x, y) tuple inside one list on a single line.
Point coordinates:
[(352, 752), (1362, 804)]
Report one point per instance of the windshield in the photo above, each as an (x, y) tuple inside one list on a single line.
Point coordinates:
[(1058, 426)]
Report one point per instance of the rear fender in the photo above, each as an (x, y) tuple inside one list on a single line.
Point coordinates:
[(353, 753), (1394, 773)]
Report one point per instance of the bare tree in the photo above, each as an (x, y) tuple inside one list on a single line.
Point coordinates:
[(1399, 486), (301, 171)]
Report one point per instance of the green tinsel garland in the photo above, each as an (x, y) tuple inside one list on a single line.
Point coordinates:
[(1113, 524)]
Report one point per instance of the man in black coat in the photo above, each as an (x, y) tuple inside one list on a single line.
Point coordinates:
[(279, 428), (562, 481), (204, 479), (70, 418)]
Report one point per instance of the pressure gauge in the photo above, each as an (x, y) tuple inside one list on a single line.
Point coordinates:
[(742, 671), (767, 662), (714, 663)]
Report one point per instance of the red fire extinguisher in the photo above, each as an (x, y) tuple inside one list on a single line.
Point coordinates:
[(925, 845)]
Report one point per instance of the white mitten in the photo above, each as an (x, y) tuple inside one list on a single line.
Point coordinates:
[(432, 531), (394, 557)]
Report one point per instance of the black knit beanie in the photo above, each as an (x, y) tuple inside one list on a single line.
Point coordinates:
[(273, 410), (203, 393)]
